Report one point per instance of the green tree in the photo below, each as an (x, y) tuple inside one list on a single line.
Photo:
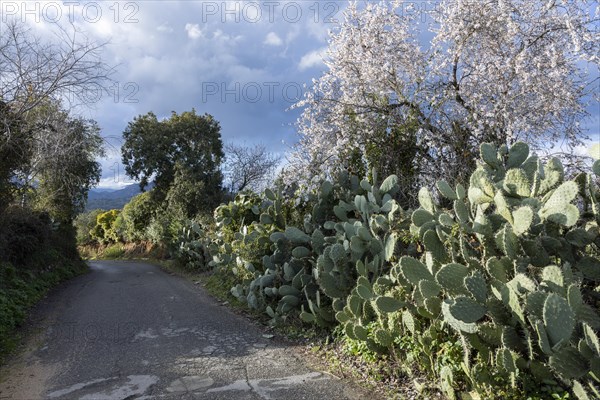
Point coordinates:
[(12, 153), (38, 139), (136, 216), (185, 145), (84, 223), (64, 180), (105, 230)]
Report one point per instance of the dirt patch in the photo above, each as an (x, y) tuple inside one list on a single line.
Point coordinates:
[(26, 367)]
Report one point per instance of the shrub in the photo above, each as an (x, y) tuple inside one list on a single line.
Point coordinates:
[(84, 224), (105, 230), (136, 217), (514, 270), (22, 233), (114, 251), (495, 297)]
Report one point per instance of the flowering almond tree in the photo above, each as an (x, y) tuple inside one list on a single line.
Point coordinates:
[(492, 70)]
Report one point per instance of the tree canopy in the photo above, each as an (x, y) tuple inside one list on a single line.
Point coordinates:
[(47, 154), (499, 71), (184, 148)]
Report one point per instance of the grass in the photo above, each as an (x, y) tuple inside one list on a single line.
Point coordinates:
[(123, 251), (20, 289)]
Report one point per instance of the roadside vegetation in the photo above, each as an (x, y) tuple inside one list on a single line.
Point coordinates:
[(48, 163), (428, 232), (414, 234)]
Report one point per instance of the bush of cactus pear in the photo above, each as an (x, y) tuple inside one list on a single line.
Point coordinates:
[(513, 268), (509, 272), (192, 246)]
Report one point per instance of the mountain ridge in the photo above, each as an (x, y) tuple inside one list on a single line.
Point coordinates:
[(107, 199)]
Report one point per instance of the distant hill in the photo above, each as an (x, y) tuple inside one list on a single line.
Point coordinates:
[(107, 199)]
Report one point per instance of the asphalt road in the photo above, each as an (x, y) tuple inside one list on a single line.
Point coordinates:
[(128, 330)]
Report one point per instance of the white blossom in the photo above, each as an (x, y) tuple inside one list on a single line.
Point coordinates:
[(504, 70)]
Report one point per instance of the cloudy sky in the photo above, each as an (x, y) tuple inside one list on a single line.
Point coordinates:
[(244, 62)]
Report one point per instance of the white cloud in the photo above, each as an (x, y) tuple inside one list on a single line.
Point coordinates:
[(153, 63), (273, 40), (113, 182), (312, 59), (193, 31), (167, 28)]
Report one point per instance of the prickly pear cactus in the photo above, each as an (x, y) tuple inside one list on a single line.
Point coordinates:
[(513, 268)]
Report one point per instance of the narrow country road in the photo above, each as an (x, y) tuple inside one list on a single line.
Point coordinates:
[(128, 330)]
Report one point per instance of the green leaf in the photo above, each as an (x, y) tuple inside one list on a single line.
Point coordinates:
[(554, 175), (559, 319), (456, 323), (461, 211), (508, 242), (388, 304), (340, 213), (569, 363), (382, 337), (505, 359), (364, 292), (414, 270), (270, 195), (562, 195), (390, 245), (446, 190), (421, 216), (286, 290), (590, 268), (461, 192), (562, 215), (451, 277), (580, 391), (389, 185), (435, 246), (502, 206), (489, 154), (326, 188), (295, 235), (329, 286), (596, 167), (426, 200), (307, 317), (553, 274), (516, 183), (522, 220), (301, 252), (511, 299), (517, 154), (477, 196), (591, 339), (429, 289), (446, 220), (291, 300), (360, 332), (476, 285), (466, 309)]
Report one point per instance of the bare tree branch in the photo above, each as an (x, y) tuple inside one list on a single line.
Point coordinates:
[(249, 167), (33, 70)]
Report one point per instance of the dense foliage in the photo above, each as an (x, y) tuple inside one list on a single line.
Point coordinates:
[(35, 255), (183, 153), (47, 161), (495, 294)]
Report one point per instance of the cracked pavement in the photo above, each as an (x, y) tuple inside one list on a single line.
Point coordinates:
[(128, 330)]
